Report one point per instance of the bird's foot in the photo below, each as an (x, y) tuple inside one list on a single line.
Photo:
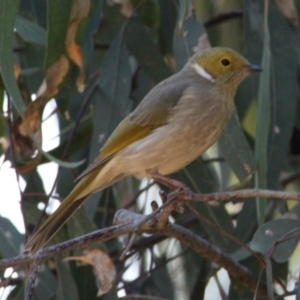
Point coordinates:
[(177, 187), (169, 182)]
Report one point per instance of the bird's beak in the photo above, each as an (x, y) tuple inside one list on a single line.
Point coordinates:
[(252, 68)]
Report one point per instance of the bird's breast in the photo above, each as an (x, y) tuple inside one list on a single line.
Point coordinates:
[(194, 125)]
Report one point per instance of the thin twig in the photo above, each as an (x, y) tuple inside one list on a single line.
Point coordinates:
[(30, 285), (225, 16), (225, 233)]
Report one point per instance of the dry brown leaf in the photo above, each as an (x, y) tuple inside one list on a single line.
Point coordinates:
[(126, 9), (54, 77), (80, 9), (30, 124), (23, 129), (103, 266), (17, 71), (288, 9), (4, 142)]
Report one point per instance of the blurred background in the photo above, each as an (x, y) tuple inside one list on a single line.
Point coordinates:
[(74, 69)]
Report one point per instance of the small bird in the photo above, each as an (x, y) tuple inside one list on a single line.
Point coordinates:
[(178, 120)]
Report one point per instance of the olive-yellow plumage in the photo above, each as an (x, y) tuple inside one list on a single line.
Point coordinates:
[(177, 121)]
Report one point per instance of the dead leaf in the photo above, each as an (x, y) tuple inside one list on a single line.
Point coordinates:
[(23, 129), (54, 77), (288, 9), (4, 142), (103, 266), (17, 71), (30, 125), (80, 10)]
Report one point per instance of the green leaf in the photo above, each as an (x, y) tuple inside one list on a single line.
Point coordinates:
[(85, 281), (32, 60), (112, 104), (168, 18), (87, 42), (263, 124), (149, 12), (269, 275), (29, 31), (46, 284), (2, 121), (184, 9), (284, 92), (67, 288), (246, 221), (18, 292), (203, 179), (10, 239), (8, 13), (57, 29), (186, 40), (159, 284), (236, 149), (253, 33), (141, 45), (298, 289), (268, 235), (204, 271), (34, 186), (81, 224)]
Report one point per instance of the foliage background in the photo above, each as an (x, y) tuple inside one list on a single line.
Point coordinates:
[(98, 59)]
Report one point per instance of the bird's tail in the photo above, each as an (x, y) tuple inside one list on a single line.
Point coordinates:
[(53, 224), (90, 183)]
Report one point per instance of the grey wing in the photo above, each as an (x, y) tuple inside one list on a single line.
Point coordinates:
[(160, 100)]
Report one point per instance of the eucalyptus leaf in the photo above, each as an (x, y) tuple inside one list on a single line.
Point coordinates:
[(30, 31), (267, 237), (112, 103), (8, 13), (263, 124), (66, 285), (235, 147), (10, 239)]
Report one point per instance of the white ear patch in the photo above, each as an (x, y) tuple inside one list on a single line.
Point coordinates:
[(200, 71)]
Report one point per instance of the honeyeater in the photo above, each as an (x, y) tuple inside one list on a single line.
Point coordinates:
[(179, 119)]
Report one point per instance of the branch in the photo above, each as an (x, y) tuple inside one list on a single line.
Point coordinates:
[(215, 254), (187, 237), (157, 223), (241, 194)]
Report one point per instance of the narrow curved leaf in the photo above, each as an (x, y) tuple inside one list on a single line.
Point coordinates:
[(263, 124), (8, 13), (10, 239), (29, 31), (113, 102), (235, 147), (66, 285)]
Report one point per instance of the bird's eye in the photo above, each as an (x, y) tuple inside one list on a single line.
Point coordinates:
[(225, 62)]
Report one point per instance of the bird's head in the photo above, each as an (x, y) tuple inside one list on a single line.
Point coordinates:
[(222, 66)]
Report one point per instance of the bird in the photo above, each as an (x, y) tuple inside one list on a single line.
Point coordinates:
[(177, 121)]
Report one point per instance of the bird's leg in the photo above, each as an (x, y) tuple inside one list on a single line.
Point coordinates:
[(177, 187), (169, 182)]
